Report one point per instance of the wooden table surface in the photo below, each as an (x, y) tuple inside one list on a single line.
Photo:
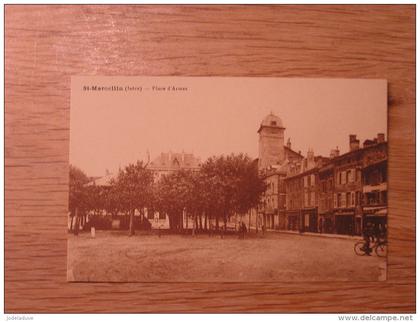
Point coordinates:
[(46, 45)]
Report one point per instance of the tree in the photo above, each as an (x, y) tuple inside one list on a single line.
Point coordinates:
[(77, 196), (251, 187), (111, 198), (175, 194), (233, 185), (134, 189)]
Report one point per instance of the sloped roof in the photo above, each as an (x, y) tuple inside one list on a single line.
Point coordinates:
[(170, 160), (102, 181), (272, 120)]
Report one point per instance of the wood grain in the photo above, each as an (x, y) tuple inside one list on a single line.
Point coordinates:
[(46, 44)]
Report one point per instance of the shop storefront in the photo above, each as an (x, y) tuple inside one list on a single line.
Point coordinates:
[(326, 223), (377, 216), (293, 220), (310, 220), (345, 223)]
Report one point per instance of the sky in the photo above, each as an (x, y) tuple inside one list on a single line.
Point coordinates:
[(216, 115)]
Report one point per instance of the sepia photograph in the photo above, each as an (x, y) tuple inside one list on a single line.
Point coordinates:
[(227, 179)]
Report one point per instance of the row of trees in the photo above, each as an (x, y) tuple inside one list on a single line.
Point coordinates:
[(223, 186)]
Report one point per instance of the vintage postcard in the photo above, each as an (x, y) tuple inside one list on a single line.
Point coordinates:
[(227, 179)]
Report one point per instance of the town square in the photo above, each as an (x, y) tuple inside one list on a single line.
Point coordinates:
[(114, 257), (285, 215)]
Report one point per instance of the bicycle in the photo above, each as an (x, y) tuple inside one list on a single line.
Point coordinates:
[(379, 247)]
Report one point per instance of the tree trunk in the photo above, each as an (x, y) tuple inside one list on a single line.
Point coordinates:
[(205, 222), (175, 225), (76, 228), (256, 223), (180, 223), (201, 222), (186, 220), (71, 223), (171, 223), (131, 226), (249, 220)]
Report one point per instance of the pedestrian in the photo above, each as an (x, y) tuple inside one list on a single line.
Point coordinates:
[(240, 230), (367, 236), (244, 230)]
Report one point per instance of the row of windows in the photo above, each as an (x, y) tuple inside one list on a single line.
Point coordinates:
[(153, 215), (341, 200), (342, 177), (309, 199), (271, 187), (347, 199), (325, 204), (271, 203), (326, 185), (275, 186), (376, 198), (348, 176), (376, 176), (309, 181)]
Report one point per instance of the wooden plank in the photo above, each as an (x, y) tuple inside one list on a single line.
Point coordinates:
[(46, 45)]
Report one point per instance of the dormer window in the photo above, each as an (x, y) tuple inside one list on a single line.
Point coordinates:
[(176, 162), (273, 123)]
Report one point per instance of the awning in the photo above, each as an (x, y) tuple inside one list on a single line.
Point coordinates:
[(344, 213), (377, 187), (373, 208), (379, 212), (327, 214)]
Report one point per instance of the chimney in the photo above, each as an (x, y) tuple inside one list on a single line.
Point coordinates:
[(368, 143), (310, 159), (334, 153), (310, 154), (354, 142), (381, 137), (289, 144)]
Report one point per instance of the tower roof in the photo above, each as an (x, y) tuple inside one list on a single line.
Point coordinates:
[(271, 120)]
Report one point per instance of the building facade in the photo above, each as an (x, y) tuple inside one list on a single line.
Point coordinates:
[(303, 193), (375, 186), (339, 194), (273, 160), (167, 163), (164, 164)]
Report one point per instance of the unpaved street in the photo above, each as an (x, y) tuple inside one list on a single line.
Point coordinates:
[(113, 256)]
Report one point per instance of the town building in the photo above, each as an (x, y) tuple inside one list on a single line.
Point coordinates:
[(339, 194), (169, 162), (326, 197), (360, 185), (302, 193), (273, 160), (165, 164), (374, 178)]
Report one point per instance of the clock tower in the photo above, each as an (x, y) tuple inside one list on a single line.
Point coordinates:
[(271, 142)]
